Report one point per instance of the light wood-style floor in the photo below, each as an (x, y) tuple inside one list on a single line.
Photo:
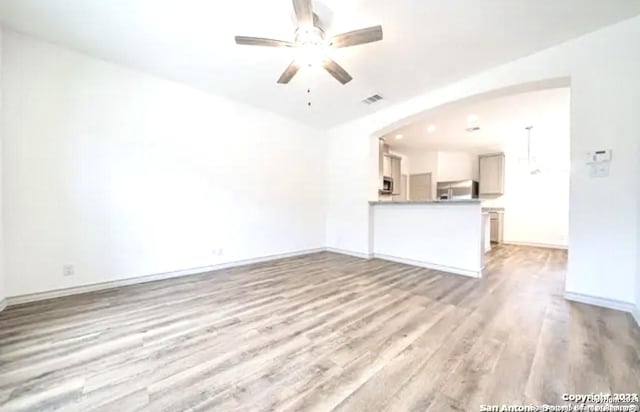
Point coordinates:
[(320, 332)]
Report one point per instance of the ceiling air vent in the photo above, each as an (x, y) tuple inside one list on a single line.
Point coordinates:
[(372, 99)]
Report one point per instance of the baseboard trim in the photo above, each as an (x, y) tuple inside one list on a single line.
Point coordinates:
[(348, 253), (3, 304), (428, 265), (532, 244), (34, 297), (602, 302)]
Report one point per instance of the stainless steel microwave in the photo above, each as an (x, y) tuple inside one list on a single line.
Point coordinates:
[(386, 185)]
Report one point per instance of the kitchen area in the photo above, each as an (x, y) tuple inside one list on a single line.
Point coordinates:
[(466, 179), (481, 179)]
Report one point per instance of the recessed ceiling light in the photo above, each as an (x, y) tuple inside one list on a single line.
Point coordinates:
[(431, 128), (472, 118), (399, 136)]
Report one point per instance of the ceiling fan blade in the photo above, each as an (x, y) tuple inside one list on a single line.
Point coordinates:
[(336, 71), (258, 41), (304, 12), (356, 37), (289, 73)]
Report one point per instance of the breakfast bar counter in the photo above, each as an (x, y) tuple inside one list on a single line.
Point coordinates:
[(441, 235)]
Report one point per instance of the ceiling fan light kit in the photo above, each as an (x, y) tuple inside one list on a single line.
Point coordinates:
[(310, 39)]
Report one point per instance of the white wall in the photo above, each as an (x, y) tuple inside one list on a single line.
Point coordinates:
[(422, 161), (2, 281), (637, 310), (443, 165), (605, 89), (124, 174), (537, 206), (457, 166)]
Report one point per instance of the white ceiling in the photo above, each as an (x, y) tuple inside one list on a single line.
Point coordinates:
[(427, 43), (502, 122)]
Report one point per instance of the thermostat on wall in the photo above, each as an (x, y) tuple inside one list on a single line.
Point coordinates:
[(599, 156), (599, 162)]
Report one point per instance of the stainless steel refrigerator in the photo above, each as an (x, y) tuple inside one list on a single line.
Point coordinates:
[(458, 190)]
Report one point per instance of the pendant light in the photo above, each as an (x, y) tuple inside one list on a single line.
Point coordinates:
[(531, 161)]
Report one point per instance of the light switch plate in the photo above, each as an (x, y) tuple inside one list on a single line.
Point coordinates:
[(599, 169)]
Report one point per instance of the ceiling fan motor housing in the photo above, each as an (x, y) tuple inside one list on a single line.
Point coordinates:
[(309, 36)]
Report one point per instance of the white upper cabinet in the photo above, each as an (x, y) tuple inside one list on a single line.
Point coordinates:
[(396, 174), (492, 174), (386, 166)]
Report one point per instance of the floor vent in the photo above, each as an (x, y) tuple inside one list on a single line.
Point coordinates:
[(372, 99)]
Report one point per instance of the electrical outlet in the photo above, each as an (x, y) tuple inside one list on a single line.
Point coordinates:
[(68, 270), (217, 251), (220, 251)]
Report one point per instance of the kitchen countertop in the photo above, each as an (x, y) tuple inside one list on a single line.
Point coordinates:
[(426, 202)]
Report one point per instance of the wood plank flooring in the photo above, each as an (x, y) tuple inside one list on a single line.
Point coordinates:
[(320, 332)]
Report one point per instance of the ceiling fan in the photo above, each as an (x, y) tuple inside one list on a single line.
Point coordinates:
[(310, 39)]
